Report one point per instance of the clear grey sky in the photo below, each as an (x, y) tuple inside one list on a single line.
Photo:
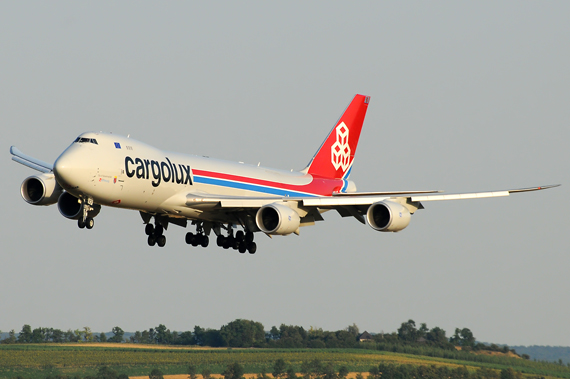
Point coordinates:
[(466, 96)]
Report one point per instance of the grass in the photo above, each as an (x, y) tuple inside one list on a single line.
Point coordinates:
[(38, 361)]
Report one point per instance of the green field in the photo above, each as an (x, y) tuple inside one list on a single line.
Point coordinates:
[(38, 361)]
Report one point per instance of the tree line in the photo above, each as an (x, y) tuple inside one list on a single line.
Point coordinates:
[(247, 333), (45, 335)]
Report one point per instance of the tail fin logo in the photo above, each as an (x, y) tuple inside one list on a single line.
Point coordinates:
[(335, 157), (340, 150)]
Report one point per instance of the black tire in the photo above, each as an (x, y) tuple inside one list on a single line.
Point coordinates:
[(242, 247), (240, 236), (249, 237), (158, 230), (89, 223), (189, 238), (161, 241), (197, 240), (151, 241), (227, 242), (220, 240), (205, 241), (80, 223), (252, 248), (149, 229)]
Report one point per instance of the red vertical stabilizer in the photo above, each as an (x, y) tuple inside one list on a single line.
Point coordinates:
[(335, 156)]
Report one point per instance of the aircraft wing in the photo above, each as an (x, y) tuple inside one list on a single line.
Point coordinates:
[(357, 199), (345, 199), (346, 205), (204, 200), (30, 162)]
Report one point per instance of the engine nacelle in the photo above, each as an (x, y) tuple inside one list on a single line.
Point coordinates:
[(388, 216), (277, 219), (71, 207), (41, 189)]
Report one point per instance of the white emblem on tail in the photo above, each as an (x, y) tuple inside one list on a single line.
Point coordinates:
[(340, 150)]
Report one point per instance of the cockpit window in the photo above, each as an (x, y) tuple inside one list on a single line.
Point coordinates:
[(86, 140)]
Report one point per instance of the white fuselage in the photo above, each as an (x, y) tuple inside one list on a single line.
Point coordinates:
[(121, 172)]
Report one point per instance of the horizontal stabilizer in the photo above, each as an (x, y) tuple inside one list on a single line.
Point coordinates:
[(30, 162)]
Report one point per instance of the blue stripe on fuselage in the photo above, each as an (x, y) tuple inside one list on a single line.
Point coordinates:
[(248, 187)]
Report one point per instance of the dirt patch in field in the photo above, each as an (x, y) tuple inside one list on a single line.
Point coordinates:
[(510, 354), (351, 375), (142, 346), (185, 376)]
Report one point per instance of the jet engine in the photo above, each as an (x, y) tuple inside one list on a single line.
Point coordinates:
[(41, 189), (388, 216), (71, 207), (277, 219)]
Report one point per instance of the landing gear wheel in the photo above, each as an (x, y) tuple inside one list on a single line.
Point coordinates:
[(205, 241), (252, 248), (221, 240), (242, 247), (158, 230), (161, 241), (196, 240), (189, 238), (228, 242), (89, 223), (235, 244), (151, 240), (240, 236), (249, 237), (80, 223), (149, 229)]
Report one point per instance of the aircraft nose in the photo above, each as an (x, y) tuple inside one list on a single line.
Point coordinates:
[(66, 168)]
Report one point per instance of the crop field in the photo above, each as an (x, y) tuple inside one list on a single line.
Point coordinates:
[(39, 361)]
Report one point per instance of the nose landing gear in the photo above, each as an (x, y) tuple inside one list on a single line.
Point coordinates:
[(88, 223), (88, 212)]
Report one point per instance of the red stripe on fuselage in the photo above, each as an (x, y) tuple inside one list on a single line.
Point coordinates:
[(317, 186)]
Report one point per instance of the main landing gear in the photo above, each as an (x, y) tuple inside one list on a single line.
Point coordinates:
[(242, 242), (155, 235), (198, 239)]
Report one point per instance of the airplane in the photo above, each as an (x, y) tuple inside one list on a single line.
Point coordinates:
[(216, 196)]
